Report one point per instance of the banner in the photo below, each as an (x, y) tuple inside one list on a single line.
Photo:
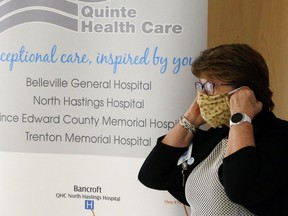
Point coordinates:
[(86, 88)]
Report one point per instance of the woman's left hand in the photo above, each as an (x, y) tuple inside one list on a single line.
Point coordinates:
[(244, 101)]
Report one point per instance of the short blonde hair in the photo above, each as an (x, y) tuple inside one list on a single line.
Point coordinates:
[(239, 65)]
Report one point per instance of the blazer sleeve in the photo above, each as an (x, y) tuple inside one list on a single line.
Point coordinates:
[(256, 177), (160, 171)]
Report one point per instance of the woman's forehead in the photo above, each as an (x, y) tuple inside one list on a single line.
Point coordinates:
[(209, 79)]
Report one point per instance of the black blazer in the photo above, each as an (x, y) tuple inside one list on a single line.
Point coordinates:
[(255, 177)]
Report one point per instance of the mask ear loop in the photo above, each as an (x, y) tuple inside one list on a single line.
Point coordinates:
[(235, 90)]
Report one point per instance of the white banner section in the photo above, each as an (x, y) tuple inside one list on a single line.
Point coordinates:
[(86, 88), (46, 184)]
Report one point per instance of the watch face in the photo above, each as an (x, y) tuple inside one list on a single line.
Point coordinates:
[(237, 117)]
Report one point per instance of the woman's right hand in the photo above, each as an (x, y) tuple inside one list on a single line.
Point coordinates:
[(178, 136), (193, 114)]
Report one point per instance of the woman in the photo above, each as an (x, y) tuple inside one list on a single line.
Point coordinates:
[(239, 165)]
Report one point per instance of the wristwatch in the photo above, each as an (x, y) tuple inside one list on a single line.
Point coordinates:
[(239, 118)]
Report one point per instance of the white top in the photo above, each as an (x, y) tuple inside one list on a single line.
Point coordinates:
[(204, 192)]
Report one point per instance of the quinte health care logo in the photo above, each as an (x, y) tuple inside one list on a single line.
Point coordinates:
[(79, 16), (62, 13)]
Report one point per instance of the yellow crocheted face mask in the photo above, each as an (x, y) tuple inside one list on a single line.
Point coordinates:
[(215, 109)]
